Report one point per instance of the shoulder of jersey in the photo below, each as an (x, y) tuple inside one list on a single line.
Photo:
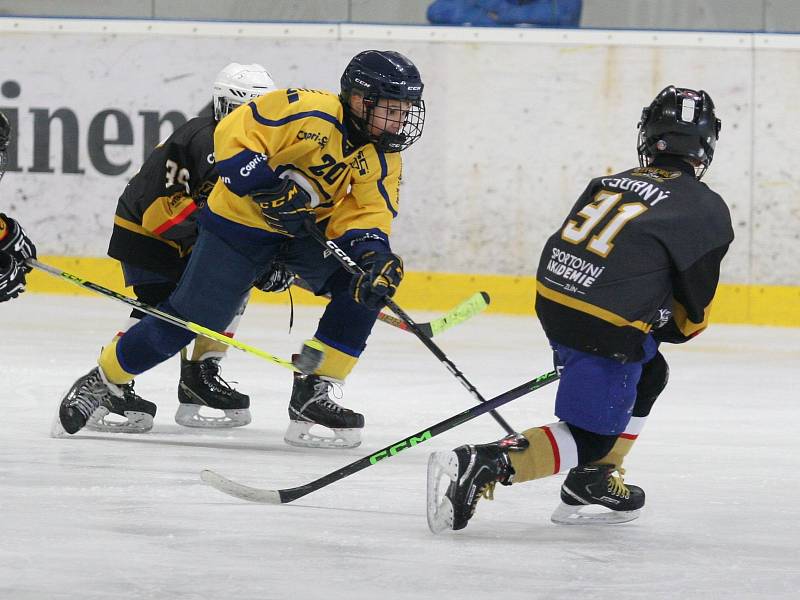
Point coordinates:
[(193, 127), (296, 100)]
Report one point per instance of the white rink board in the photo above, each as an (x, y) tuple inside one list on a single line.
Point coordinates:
[(517, 122)]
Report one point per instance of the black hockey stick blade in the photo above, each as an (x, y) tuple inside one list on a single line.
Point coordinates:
[(265, 496)]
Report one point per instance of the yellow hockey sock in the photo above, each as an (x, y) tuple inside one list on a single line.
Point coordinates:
[(205, 347), (109, 363), (336, 364)]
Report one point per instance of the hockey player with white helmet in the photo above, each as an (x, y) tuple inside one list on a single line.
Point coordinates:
[(237, 84), (155, 229), (635, 264)]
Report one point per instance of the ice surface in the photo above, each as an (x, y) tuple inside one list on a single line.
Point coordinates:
[(103, 516)]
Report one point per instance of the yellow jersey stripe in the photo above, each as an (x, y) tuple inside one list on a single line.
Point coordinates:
[(136, 228), (686, 326), (590, 309)]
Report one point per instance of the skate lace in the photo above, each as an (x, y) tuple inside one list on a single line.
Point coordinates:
[(487, 491), (321, 390), (128, 392), (89, 395), (210, 372), (616, 484)]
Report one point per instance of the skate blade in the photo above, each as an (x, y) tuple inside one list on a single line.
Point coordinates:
[(56, 428), (299, 434), (442, 469), (591, 514), (136, 422), (188, 415)]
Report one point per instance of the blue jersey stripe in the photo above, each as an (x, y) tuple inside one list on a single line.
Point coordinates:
[(344, 348), (381, 187), (303, 115)]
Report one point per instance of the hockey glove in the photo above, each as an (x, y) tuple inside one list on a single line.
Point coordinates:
[(383, 272), (276, 279), (12, 277), (14, 241), (285, 207)]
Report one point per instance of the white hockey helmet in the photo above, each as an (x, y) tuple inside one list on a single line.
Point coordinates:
[(237, 84)]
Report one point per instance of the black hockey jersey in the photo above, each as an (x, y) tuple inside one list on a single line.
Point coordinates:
[(155, 222), (636, 247)]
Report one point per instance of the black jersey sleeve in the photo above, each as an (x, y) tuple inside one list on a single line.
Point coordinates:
[(693, 293)]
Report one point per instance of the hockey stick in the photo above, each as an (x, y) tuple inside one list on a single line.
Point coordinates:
[(284, 496), (470, 307), (308, 361), (352, 267)]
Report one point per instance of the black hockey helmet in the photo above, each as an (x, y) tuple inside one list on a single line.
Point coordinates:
[(376, 74), (5, 138), (679, 122)]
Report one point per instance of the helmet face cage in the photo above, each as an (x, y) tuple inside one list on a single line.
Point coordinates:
[(380, 77), (408, 127), (679, 122), (224, 106), (237, 84)]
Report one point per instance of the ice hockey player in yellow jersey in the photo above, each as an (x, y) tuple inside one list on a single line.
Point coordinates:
[(284, 159)]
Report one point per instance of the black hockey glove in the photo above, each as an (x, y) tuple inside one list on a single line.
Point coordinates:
[(12, 277), (285, 207), (14, 241), (276, 279), (383, 272)]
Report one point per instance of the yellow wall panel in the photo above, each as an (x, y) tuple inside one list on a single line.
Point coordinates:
[(734, 303)]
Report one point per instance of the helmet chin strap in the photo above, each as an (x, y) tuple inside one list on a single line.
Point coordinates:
[(356, 133)]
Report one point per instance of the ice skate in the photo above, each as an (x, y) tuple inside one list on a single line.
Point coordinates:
[(470, 473), (137, 413), (202, 386), (312, 407), (597, 494), (82, 400)]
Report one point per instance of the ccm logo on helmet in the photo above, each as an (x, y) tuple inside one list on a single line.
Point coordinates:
[(258, 159)]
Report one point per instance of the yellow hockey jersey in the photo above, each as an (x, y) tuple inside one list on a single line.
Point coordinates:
[(300, 134)]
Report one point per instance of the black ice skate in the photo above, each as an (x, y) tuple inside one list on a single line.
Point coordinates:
[(594, 494), (83, 398), (470, 472), (137, 413), (310, 405), (202, 385)]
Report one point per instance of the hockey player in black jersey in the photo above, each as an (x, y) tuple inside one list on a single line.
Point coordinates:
[(154, 231), (15, 246), (635, 263)]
